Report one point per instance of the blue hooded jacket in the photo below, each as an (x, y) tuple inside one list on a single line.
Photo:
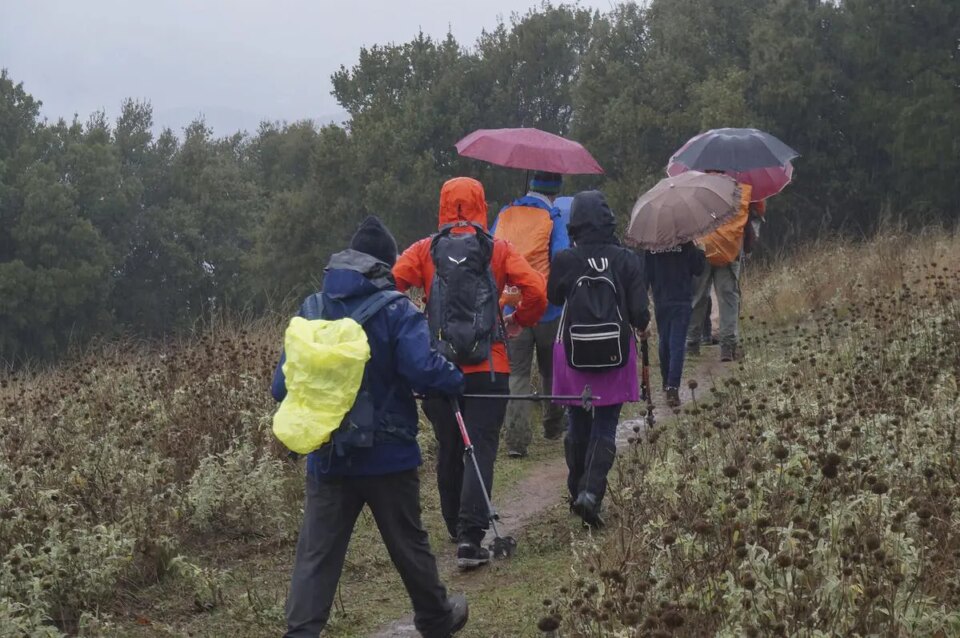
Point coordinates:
[(402, 362), (559, 240)]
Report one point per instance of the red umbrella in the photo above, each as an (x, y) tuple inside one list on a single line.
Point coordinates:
[(530, 149)]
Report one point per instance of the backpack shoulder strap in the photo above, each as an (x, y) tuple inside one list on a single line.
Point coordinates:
[(373, 304)]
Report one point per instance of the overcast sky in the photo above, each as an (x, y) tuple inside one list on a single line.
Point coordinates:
[(236, 61)]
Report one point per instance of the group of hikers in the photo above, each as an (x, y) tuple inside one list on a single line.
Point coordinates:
[(550, 282)]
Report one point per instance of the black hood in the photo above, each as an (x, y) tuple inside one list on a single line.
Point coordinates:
[(591, 220)]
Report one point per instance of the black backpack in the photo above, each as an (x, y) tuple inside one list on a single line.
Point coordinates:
[(595, 334), (463, 310)]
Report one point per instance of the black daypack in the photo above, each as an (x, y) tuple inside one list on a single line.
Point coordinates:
[(463, 310), (362, 425), (595, 334)]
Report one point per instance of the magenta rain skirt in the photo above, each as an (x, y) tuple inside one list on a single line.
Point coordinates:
[(619, 385)]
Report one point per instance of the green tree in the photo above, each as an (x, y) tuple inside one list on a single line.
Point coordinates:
[(53, 292)]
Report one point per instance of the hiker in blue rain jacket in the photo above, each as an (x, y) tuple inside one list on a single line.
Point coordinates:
[(383, 476)]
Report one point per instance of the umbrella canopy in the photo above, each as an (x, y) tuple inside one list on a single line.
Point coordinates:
[(682, 208), (766, 182), (748, 155), (530, 149)]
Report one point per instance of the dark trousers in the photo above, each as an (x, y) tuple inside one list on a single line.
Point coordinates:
[(673, 321), (461, 501), (330, 512), (591, 447), (707, 335)]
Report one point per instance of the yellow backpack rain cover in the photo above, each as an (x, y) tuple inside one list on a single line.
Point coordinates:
[(323, 369)]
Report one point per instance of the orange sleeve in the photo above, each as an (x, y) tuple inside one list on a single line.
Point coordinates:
[(533, 287), (408, 271)]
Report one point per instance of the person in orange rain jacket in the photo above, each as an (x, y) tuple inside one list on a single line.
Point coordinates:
[(462, 296), (723, 248)]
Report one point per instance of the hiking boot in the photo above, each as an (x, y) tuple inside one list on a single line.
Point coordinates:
[(587, 507), (516, 454), (471, 556), (728, 352), (673, 397), (459, 612), (693, 348), (553, 436)]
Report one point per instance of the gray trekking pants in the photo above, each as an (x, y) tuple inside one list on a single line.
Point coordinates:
[(726, 282), (538, 341), (330, 512)]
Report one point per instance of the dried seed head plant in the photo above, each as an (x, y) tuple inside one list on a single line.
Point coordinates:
[(814, 491), (118, 460)]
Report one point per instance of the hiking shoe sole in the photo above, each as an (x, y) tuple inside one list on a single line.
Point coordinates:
[(471, 563)]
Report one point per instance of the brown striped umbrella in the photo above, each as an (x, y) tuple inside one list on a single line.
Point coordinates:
[(682, 208)]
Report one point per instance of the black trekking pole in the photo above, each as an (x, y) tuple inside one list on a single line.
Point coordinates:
[(502, 546), (586, 398), (645, 380)]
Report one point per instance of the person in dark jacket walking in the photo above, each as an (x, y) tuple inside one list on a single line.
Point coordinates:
[(383, 476), (670, 274), (590, 444)]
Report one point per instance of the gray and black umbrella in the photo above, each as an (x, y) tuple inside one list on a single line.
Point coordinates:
[(748, 155)]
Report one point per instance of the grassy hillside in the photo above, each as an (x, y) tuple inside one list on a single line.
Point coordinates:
[(141, 492)]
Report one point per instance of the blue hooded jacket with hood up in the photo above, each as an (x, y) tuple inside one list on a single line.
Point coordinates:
[(402, 362)]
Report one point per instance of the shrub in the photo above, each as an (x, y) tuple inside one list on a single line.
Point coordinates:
[(236, 494), (109, 463)]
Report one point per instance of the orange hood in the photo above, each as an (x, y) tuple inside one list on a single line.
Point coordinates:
[(462, 199)]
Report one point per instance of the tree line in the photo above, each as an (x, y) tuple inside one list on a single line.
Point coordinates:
[(106, 228)]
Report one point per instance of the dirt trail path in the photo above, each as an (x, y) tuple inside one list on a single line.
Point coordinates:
[(545, 484), (706, 370)]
